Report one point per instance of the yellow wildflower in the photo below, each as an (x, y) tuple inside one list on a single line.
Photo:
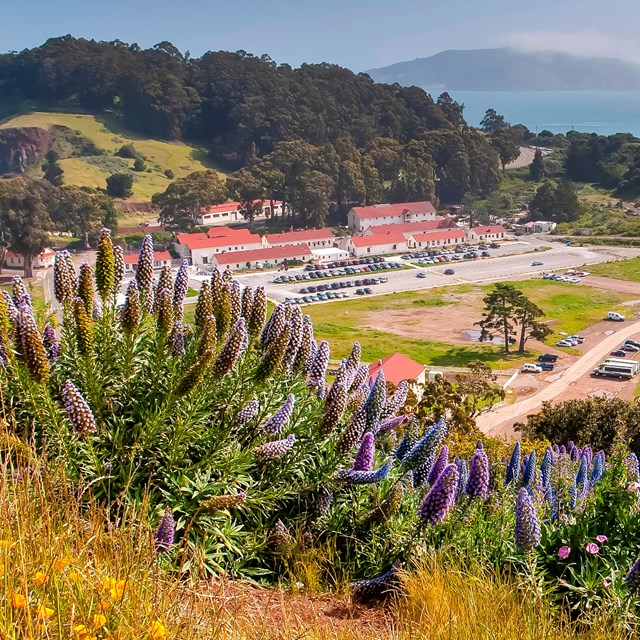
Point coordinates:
[(99, 620), (81, 630), (59, 565), (157, 630), (74, 576), (42, 612), (40, 578), (116, 592), (103, 605), (6, 544), (18, 601), (108, 583)]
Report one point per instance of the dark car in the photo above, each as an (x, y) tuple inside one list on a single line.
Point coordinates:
[(368, 291), (449, 272), (485, 254), (359, 292), (493, 245), (546, 366), (358, 283), (632, 342), (619, 353), (547, 357)]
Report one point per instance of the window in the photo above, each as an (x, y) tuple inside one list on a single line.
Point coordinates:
[(205, 259)]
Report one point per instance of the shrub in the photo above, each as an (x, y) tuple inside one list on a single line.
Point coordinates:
[(169, 174), (119, 185), (139, 165)]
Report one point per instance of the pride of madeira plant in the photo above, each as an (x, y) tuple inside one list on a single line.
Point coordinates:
[(254, 464)]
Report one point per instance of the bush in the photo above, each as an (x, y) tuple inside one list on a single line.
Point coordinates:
[(169, 173), (119, 185), (139, 165), (129, 151)]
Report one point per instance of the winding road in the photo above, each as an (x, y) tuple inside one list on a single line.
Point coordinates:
[(499, 422)]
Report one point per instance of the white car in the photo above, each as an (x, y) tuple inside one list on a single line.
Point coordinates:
[(531, 368), (564, 343)]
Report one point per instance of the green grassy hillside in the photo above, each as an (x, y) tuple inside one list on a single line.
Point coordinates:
[(107, 136)]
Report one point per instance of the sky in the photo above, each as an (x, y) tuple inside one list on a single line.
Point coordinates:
[(359, 34)]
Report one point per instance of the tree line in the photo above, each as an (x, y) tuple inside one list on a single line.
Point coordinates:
[(344, 139)]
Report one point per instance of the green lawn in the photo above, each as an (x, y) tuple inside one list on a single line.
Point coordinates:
[(619, 269), (107, 134), (569, 309)]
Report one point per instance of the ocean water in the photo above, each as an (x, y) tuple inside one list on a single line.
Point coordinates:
[(558, 111)]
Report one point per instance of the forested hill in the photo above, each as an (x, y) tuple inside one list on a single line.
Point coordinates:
[(243, 107), (510, 70)]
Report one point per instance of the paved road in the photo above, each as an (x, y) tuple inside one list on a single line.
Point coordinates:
[(499, 421), (512, 262)]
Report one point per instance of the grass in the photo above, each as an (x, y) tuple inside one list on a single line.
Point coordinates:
[(107, 134), (569, 309), (619, 269)]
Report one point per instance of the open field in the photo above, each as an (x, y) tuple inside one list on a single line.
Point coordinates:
[(430, 326), (620, 270), (107, 134)]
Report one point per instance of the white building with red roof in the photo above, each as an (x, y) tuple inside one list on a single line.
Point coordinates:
[(361, 218), (378, 244), (490, 232), (13, 260), (314, 238), (230, 212), (411, 228), (398, 367), (264, 258), (446, 238), (200, 248), (160, 259)]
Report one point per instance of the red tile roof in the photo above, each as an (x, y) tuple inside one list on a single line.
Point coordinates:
[(183, 238), (375, 240), (251, 255), (410, 227), (224, 241), (397, 367), (300, 236), (381, 210), (496, 228), (158, 256), (440, 235), (227, 232), (232, 206)]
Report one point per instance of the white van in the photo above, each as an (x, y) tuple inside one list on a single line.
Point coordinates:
[(615, 316), (531, 368)]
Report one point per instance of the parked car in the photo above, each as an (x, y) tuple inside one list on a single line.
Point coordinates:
[(546, 366), (537, 263), (630, 347), (421, 274), (531, 368), (564, 343), (368, 291), (633, 342), (615, 316), (547, 357), (493, 245), (449, 272), (359, 292), (485, 254), (619, 353), (578, 339)]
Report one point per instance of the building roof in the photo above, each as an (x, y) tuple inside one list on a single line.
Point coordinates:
[(495, 228), (272, 253), (397, 367), (132, 258), (183, 238), (414, 227), (529, 224), (231, 206), (378, 239), (299, 236), (381, 210), (224, 241), (439, 235), (227, 232)]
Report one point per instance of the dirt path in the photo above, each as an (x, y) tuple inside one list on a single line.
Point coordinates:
[(500, 422), (612, 284)]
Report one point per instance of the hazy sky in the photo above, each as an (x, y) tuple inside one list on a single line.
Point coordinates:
[(359, 34)]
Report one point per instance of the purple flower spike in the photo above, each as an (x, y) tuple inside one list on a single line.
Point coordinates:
[(78, 411), (478, 482), (247, 414), (279, 419), (165, 533), (276, 449), (527, 528), (390, 423), (632, 579), (439, 465), (364, 457), (440, 498), (367, 477)]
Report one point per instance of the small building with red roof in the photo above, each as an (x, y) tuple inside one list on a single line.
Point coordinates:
[(13, 260), (447, 238), (398, 367), (489, 232), (361, 218), (411, 228), (314, 238), (200, 248), (377, 244), (263, 258), (160, 259), (230, 212)]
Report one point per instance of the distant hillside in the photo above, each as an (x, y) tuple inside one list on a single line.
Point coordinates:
[(510, 70), (87, 146)]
